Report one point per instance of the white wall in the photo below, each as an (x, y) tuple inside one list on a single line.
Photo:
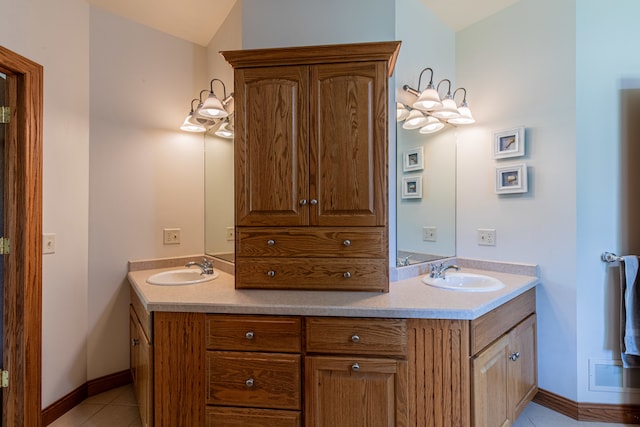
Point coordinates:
[(56, 35), (607, 36), (145, 173), (519, 66)]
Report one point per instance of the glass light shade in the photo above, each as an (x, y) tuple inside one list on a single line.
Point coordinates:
[(465, 116), (415, 120), (428, 100), (401, 112), (224, 131), (433, 125), (213, 108), (448, 110), (190, 126)]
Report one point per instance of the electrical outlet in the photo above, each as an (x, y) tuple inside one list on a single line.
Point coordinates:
[(231, 234), (49, 243), (429, 234), (172, 236), (487, 236)]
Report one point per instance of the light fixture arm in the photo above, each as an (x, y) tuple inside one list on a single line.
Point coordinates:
[(430, 79), (193, 109), (224, 88), (464, 97), (448, 95)]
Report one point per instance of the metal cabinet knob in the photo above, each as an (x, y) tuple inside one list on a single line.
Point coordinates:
[(134, 342), (249, 335), (355, 338), (271, 273), (355, 367), (303, 202), (347, 275), (514, 356), (250, 382), (347, 242), (271, 242), (314, 202)]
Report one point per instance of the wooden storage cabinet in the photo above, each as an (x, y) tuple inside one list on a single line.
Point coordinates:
[(141, 360), (315, 159), (253, 370), (355, 372)]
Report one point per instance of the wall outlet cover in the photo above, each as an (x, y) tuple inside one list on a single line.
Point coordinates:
[(171, 236)]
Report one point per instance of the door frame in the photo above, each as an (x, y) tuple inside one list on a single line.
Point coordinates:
[(22, 400)]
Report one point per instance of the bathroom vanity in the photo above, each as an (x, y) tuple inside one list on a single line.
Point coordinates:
[(213, 355)]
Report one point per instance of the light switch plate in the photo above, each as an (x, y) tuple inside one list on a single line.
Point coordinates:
[(49, 243), (487, 236)]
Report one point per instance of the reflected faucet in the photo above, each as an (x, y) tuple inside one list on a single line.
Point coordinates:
[(206, 266), (438, 270)]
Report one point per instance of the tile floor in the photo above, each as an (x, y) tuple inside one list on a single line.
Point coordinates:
[(118, 408)]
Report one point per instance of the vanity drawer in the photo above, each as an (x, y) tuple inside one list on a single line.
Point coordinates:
[(220, 416), (334, 242), (254, 333), (371, 336), (344, 274), (259, 380)]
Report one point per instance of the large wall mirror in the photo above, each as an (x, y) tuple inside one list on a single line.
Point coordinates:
[(426, 195)]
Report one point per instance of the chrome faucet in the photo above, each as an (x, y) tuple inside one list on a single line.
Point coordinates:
[(206, 266), (438, 270)]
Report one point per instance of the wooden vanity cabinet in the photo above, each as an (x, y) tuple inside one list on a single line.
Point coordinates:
[(141, 359), (311, 151)]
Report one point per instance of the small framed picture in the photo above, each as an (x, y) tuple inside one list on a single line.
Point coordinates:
[(508, 143), (412, 187), (413, 159), (511, 179)]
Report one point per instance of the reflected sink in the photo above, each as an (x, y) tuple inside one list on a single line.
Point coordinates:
[(183, 276), (465, 282)]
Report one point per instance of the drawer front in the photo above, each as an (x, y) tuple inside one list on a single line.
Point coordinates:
[(372, 336), (220, 416), (334, 242), (254, 333), (258, 380), (345, 274)]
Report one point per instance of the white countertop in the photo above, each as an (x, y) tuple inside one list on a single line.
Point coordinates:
[(409, 298)]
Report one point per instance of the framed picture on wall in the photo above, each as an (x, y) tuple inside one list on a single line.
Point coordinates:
[(508, 143), (511, 179), (412, 187), (413, 159)]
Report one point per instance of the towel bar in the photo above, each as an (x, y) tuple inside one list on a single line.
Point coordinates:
[(610, 257)]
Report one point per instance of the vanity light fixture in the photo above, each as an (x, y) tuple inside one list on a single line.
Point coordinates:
[(416, 119), (190, 123), (402, 112), (449, 110), (433, 125), (428, 99), (213, 108), (226, 129), (465, 117)]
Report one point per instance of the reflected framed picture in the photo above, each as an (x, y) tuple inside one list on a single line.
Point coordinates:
[(413, 159), (412, 187), (511, 179), (508, 143)]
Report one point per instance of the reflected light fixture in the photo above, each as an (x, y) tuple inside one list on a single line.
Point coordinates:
[(465, 117), (190, 123), (433, 125), (449, 110), (402, 112), (415, 120), (212, 107), (226, 129)]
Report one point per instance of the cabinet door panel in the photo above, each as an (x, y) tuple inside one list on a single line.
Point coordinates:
[(340, 395), (524, 368), (271, 146), (490, 386), (141, 365)]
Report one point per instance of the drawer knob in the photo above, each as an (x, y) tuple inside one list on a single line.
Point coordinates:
[(514, 356), (303, 202), (355, 338), (271, 242), (347, 242), (355, 367), (249, 335), (271, 273), (134, 342), (249, 383), (347, 275), (314, 202)]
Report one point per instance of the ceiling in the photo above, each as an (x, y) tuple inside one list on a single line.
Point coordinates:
[(198, 20)]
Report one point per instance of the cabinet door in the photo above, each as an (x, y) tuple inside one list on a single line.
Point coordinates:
[(352, 392), (141, 355), (490, 386), (348, 144), (271, 146), (523, 370)]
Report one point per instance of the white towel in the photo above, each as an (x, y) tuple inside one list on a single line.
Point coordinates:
[(630, 312)]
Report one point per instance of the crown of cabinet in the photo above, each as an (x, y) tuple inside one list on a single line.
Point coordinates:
[(311, 166)]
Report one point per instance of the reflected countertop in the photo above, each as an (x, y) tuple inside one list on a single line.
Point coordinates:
[(407, 298)]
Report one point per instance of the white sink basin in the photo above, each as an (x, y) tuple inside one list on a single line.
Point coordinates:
[(465, 282), (183, 276)]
